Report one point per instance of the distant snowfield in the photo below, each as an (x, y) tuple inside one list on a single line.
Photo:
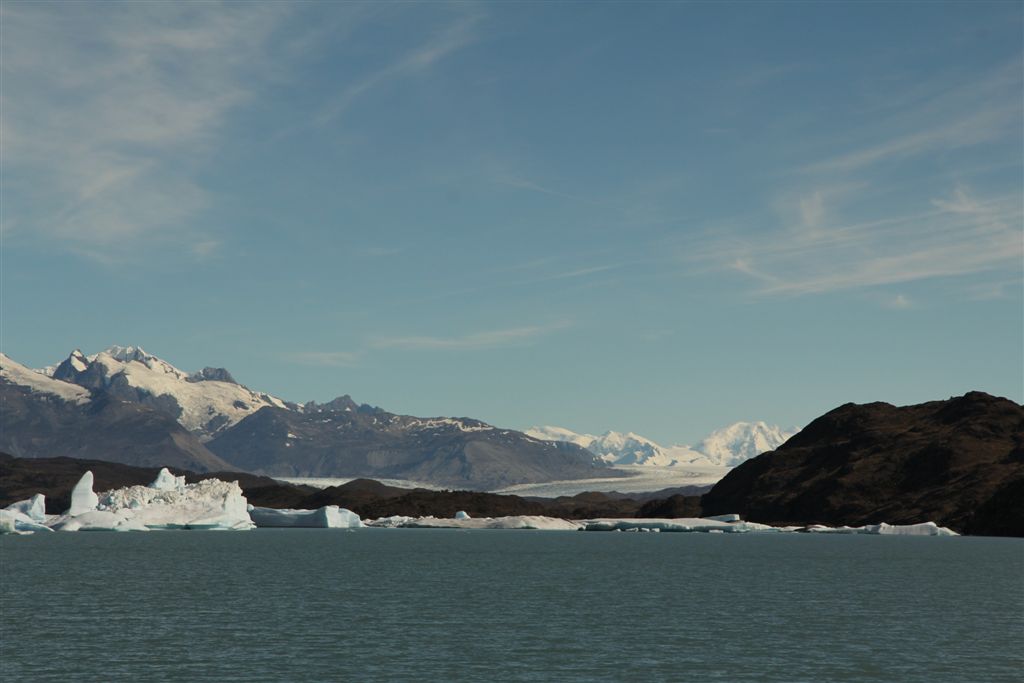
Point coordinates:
[(642, 478)]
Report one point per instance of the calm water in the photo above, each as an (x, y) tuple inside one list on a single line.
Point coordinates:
[(446, 605)]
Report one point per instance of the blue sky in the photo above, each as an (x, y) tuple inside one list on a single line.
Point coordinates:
[(651, 217)]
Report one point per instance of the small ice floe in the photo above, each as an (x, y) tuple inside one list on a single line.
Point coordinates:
[(327, 517), (883, 529), (512, 522), (681, 524)]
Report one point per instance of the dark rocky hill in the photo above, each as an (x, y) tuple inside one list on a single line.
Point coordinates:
[(958, 462), (340, 439)]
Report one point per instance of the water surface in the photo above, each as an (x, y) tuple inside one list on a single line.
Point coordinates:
[(454, 605)]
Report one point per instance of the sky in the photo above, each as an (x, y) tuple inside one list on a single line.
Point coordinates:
[(650, 217)]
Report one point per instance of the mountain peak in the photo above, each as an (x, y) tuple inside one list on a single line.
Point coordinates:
[(126, 354), (209, 374)]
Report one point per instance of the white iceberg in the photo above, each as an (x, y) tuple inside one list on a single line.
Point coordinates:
[(461, 514), (922, 529), (165, 481), (392, 522), (327, 517), (83, 499), (675, 524), (883, 529), (34, 508), (512, 522), (207, 504), (7, 523), (15, 522)]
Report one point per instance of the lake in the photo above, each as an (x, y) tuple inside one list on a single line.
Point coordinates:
[(455, 605)]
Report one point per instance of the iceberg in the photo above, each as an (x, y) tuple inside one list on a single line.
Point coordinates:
[(82, 497), (392, 522), (327, 517), (168, 503), (7, 523), (512, 522), (922, 529), (34, 508), (461, 514), (15, 522), (165, 481), (883, 529), (676, 524)]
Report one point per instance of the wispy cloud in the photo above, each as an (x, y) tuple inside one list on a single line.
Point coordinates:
[(453, 37), (473, 341), (490, 339), (946, 114), (109, 110), (956, 235)]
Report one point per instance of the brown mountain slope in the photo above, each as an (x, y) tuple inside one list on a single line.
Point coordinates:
[(959, 463)]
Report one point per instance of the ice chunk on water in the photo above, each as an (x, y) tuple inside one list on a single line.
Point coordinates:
[(676, 524), (461, 514), (34, 508), (392, 522), (165, 481), (725, 518), (512, 522), (7, 522), (922, 529), (883, 529), (328, 517), (82, 497), (208, 504)]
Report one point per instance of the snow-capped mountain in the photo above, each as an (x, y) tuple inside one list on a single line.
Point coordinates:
[(726, 447), (617, 448), (741, 441), (204, 402), (126, 405), (38, 383)]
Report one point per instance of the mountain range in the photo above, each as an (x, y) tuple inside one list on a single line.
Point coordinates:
[(726, 447), (126, 405)]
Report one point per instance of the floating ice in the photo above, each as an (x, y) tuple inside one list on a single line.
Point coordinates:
[(677, 524), (461, 514), (7, 523), (82, 497), (34, 508), (328, 517), (207, 504), (514, 522), (16, 522), (165, 481), (392, 522)]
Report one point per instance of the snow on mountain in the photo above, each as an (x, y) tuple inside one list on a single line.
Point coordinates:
[(741, 441), (205, 402), (619, 448), (16, 373), (726, 447)]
